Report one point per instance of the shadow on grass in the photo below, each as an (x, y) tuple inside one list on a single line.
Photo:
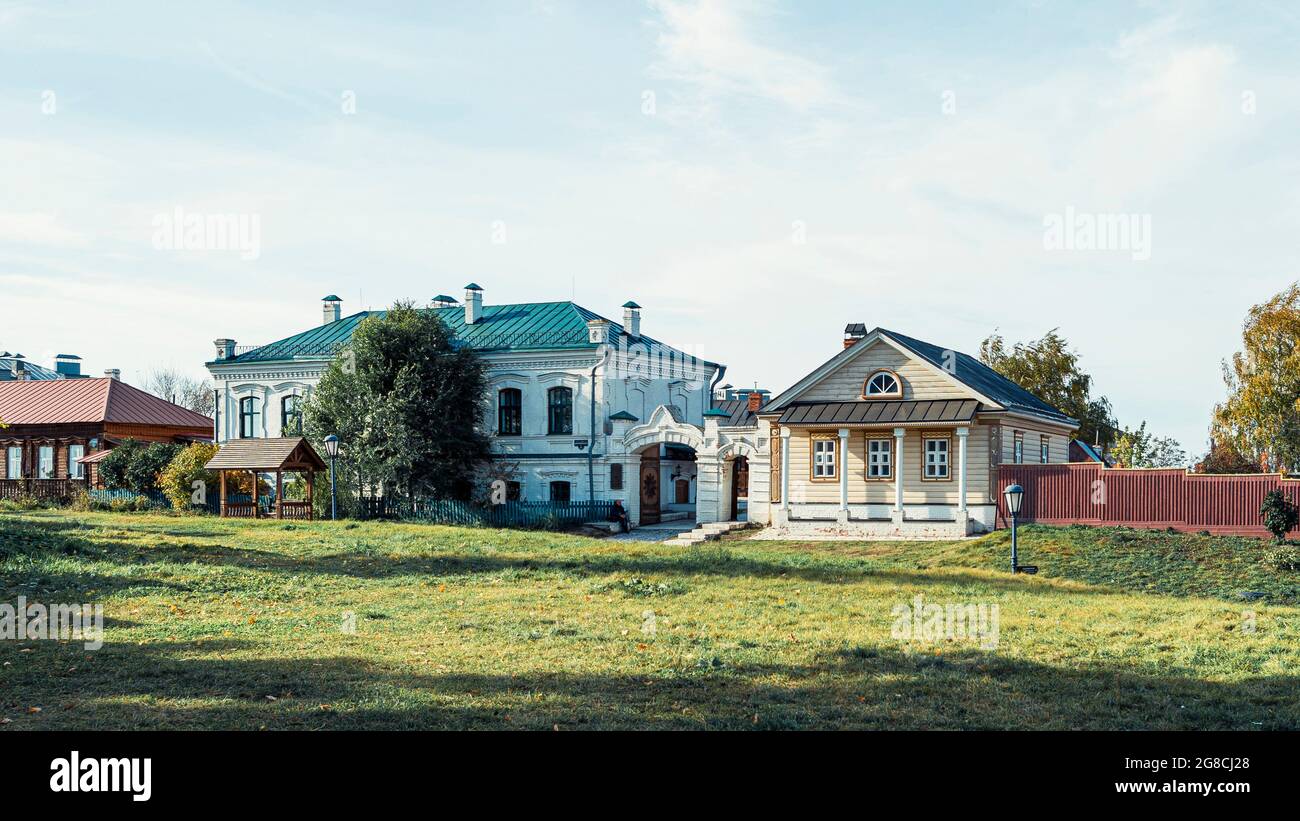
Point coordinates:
[(180, 686)]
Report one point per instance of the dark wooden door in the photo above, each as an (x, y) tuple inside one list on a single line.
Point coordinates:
[(649, 488), (739, 484)]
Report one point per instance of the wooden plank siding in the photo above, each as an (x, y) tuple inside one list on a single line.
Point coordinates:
[(872, 491), (920, 381)]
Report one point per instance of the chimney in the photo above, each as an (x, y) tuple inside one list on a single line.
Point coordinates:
[(854, 333), (755, 401), (598, 331), (18, 367), (114, 374), (331, 310), (225, 348), (473, 303), (67, 366), (632, 319), (444, 301)]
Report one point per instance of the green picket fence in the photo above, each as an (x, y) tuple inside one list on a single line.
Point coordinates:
[(508, 514)]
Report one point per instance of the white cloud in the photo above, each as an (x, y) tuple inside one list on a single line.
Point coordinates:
[(707, 45)]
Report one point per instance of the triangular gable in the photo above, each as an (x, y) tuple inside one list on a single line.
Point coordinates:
[(805, 389)]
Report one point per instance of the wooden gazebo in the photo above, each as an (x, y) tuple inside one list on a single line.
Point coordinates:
[(278, 456)]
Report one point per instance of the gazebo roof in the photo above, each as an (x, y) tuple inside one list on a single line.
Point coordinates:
[(288, 454)]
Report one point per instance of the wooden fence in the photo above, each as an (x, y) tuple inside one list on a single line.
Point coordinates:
[(59, 490), (508, 514), (1168, 497)]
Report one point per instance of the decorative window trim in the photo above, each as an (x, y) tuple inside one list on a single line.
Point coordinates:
[(285, 414), (866, 457), (813, 439), (774, 491), (1044, 449), (553, 390), (897, 393), (518, 408), (933, 436), (1018, 448), (75, 470)]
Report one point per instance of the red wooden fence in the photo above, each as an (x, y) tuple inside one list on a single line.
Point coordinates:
[(1086, 493)]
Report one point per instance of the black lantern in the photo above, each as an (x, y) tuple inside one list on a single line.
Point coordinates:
[(332, 450), (1015, 495)]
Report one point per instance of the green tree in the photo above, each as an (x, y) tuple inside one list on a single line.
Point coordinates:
[(1279, 514), (1140, 449), (1222, 457), (1261, 418), (136, 465), (1048, 369), (178, 478), (407, 406)]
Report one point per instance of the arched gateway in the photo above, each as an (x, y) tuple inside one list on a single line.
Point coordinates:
[(673, 466)]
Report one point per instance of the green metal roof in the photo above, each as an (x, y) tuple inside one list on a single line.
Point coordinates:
[(330, 298), (630, 304), (717, 412), (526, 326)]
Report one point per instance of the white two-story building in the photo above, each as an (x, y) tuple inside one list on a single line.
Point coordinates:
[(579, 407)]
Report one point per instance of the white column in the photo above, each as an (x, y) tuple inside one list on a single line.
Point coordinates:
[(843, 468), (899, 433), (962, 433), (785, 468)]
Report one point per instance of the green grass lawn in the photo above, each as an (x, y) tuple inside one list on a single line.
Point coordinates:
[(225, 624)]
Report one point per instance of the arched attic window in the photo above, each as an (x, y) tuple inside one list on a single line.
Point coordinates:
[(882, 384)]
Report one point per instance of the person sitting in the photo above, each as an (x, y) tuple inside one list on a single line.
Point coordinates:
[(619, 514)]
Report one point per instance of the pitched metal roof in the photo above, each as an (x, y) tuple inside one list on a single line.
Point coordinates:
[(525, 326), (281, 453), (981, 377), (962, 367), (67, 401), (31, 369), (875, 411), (738, 413)]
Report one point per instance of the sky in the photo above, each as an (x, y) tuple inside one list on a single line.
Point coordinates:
[(755, 174)]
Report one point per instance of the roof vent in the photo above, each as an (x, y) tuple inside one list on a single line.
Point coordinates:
[(67, 365), (444, 301)]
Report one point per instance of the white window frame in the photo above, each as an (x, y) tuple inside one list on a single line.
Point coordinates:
[(14, 462), (1018, 448), (76, 470), (927, 464), (895, 393), (1044, 450), (880, 461), (824, 458), (45, 470)]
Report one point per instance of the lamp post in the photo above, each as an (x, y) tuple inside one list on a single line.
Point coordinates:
[(332, 449), (1014, 494)]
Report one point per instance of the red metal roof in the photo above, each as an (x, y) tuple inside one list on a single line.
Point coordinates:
[(67, 401)]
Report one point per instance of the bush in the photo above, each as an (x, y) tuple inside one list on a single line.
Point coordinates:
[(186, 468), (1283, 558), (1279, 514), (136, 465)]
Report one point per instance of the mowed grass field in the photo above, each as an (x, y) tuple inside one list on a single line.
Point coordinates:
[(244, 625)]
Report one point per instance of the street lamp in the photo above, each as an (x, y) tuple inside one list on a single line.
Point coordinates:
[(1014, 494), (332, 449)]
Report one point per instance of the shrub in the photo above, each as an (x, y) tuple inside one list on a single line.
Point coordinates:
[(186, 468), (135, 465), (1283, 558), (1279, 514)]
